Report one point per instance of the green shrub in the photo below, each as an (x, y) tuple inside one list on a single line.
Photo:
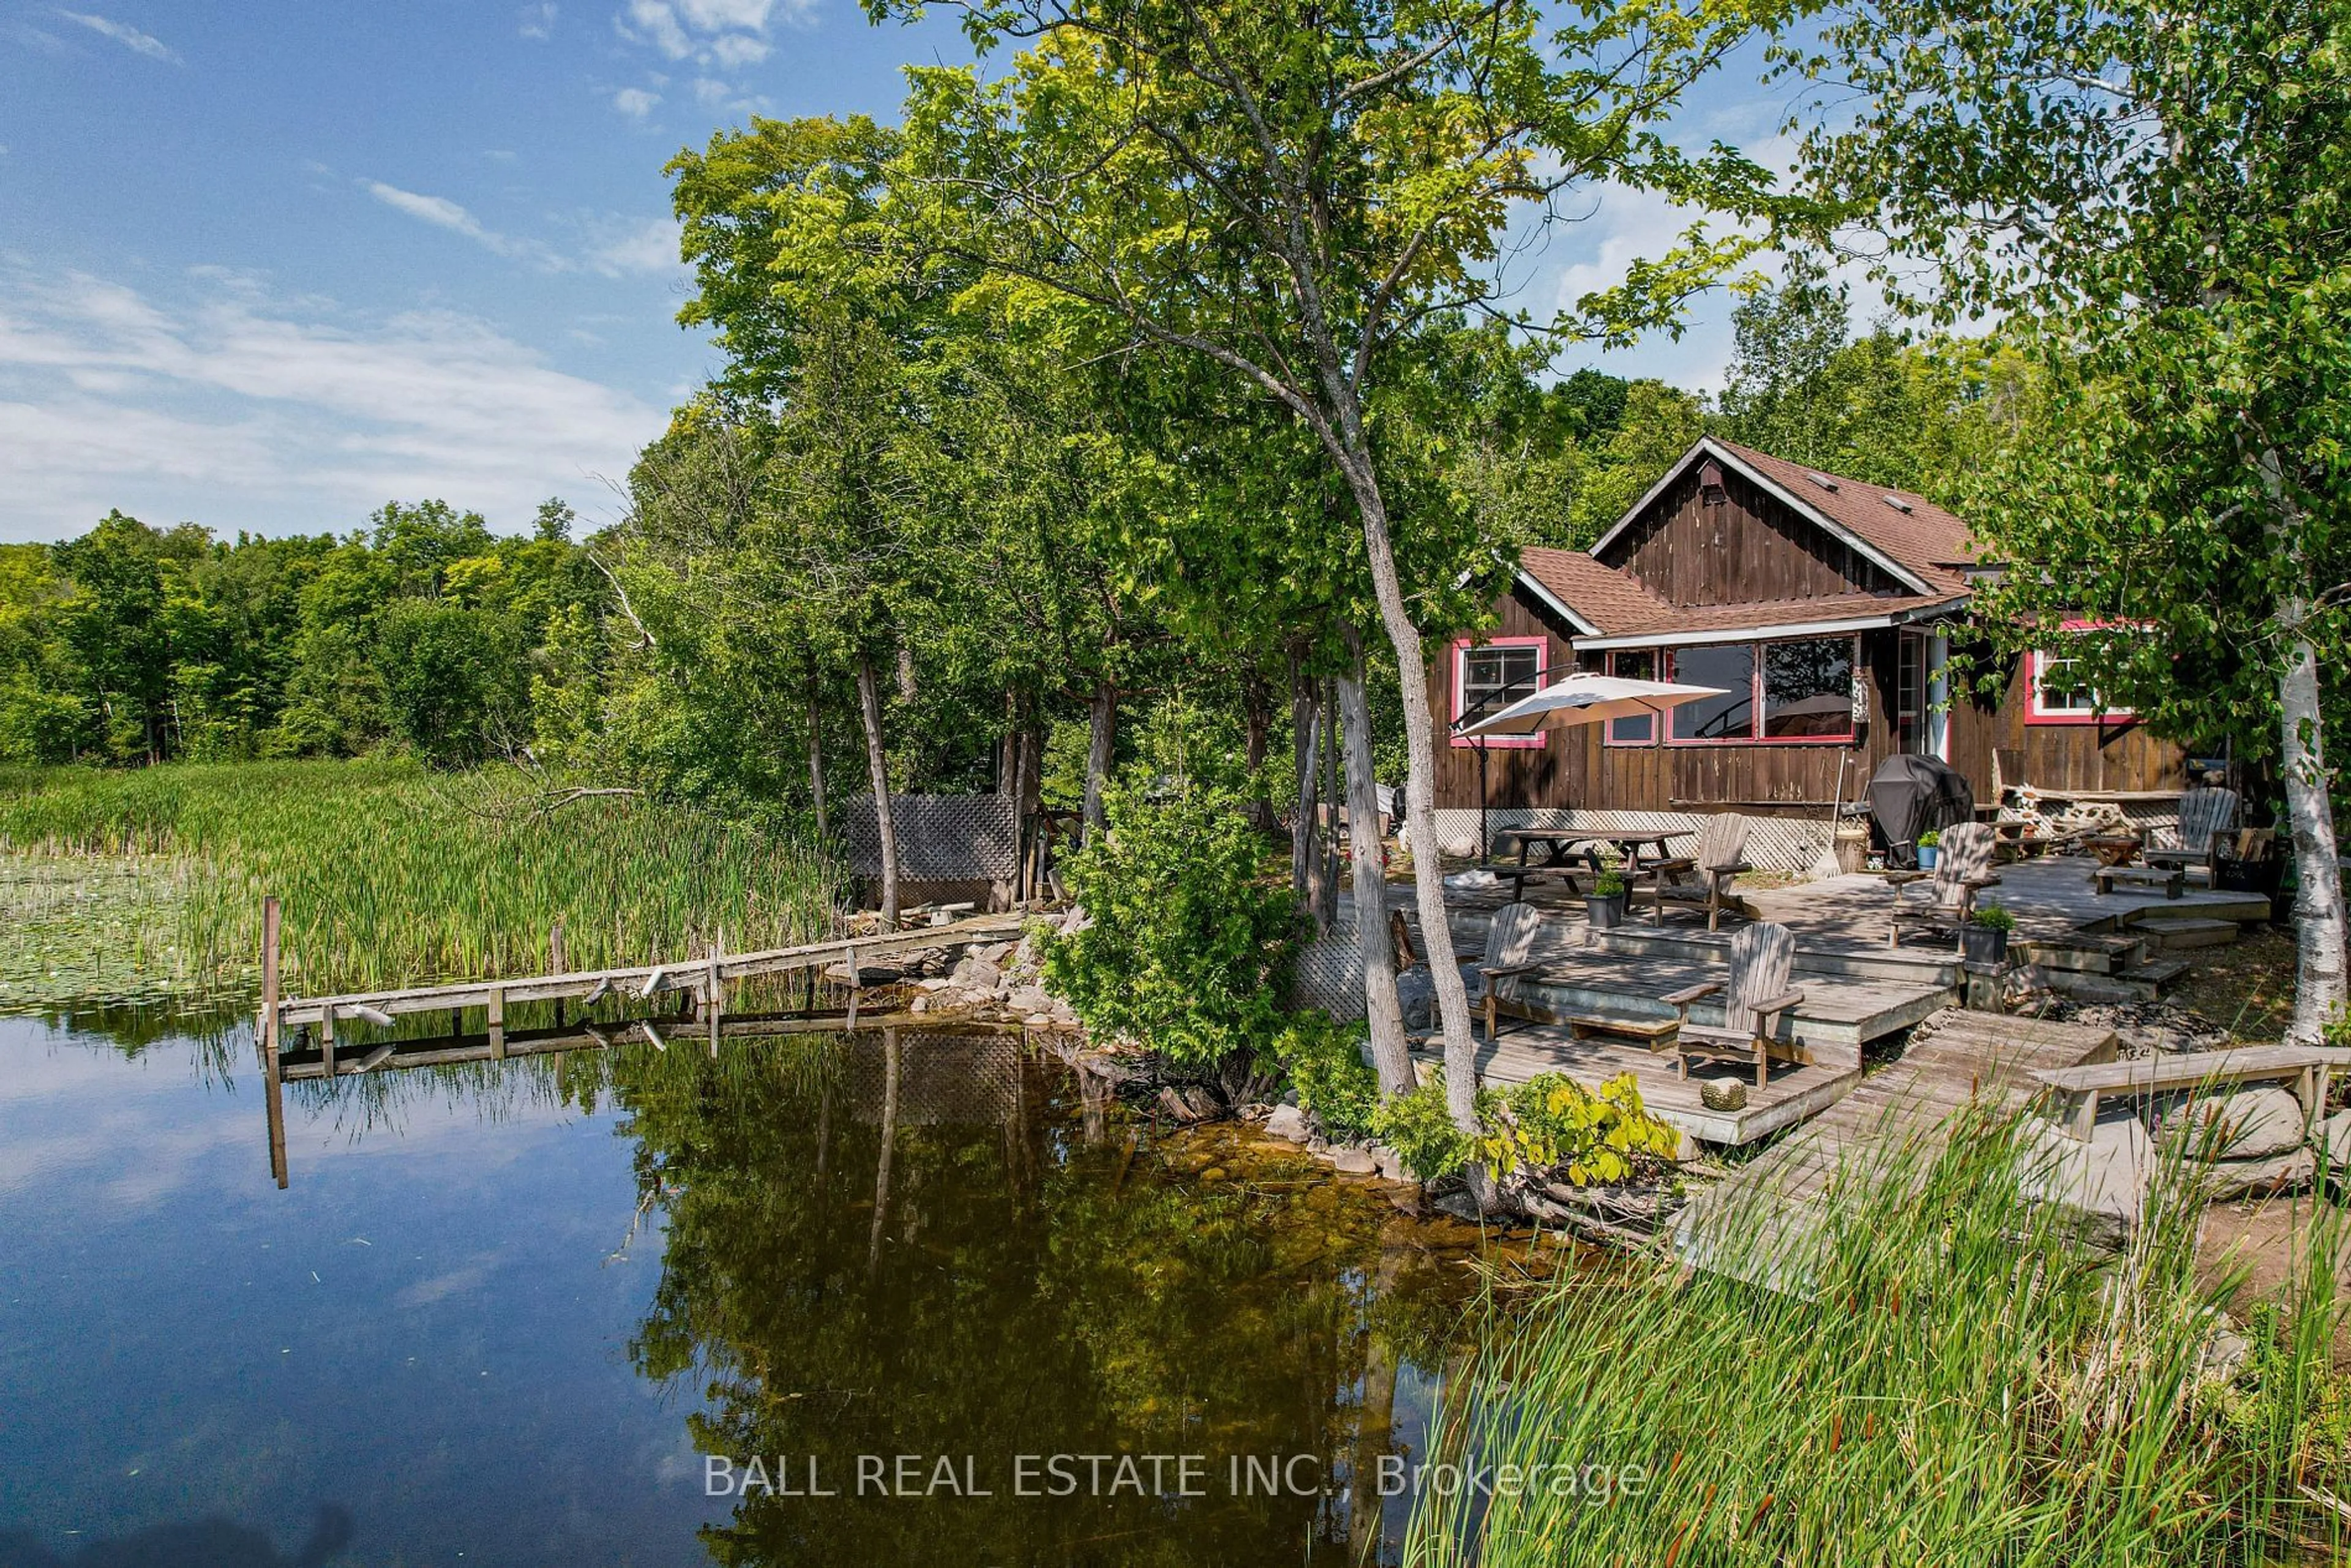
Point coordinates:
[(1931, 838), (1602, 1136), (1192, 948), (1994, 917), (1325, 1063), (1418, 1127)]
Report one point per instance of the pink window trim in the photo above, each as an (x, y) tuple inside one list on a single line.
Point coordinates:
[(1462, 647), (1755, 702), (2034, 716)]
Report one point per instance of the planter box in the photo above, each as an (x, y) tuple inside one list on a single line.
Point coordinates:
[(1983, 943), (1605, 911)]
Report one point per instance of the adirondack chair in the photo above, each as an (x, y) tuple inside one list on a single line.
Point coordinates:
[(1702, 878), (1962, 871), (2204, 816), (1762, 958), (1510, 951)]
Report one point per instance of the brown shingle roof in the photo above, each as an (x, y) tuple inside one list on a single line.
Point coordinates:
[(1608, 598), (1924, 540)]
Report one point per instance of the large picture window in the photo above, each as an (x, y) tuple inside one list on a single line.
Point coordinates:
[(1799, 689), (1732, 716), (1490, 676)]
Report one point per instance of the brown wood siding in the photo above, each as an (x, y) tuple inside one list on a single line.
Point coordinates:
[(1575, 767), (2122, 756), (1751, 546)]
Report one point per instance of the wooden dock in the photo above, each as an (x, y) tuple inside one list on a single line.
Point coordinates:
[(1906, 1108), (700, 982)]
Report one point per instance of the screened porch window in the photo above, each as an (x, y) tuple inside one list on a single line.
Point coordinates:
[(1732, 716)]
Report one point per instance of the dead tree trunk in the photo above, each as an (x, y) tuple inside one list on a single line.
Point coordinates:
[(1389, 1053), (1305, 852), (816, 756), (1102, 735), (877, 764), (1257, 714), (1326, 882)]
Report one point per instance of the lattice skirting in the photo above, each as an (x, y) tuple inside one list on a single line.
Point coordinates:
[(1773, 844), (1330, 971), (941, 838)]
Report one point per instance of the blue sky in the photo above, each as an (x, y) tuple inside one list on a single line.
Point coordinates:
[(267, 266)]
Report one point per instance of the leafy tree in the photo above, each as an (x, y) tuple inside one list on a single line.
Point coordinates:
[(2155, 200), (1289, 193)]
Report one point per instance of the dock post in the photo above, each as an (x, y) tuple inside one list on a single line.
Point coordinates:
[(497, 1024), (854, 987), (273, 1086), (327, 1040), (715, 995), (555, 962)]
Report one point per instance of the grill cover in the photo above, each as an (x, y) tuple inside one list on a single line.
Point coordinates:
[(1908, 795)]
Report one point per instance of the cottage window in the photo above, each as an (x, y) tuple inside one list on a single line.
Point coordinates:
[(1802, 687), (1732, 716), (2061, 692), (1910, 693), (1490, 676), (1640, 728), (1808, 689)]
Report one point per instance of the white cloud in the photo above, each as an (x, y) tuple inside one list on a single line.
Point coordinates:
[(538, 21), (620, 248), (438, 210), (723, 35), (241, 408), (123, 33), (636, 101)]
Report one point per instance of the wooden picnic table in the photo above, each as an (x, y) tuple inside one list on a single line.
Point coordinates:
[(1569, 850)]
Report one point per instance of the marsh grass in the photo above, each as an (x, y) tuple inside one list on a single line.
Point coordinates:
[(389, 875), (1964, 1381)]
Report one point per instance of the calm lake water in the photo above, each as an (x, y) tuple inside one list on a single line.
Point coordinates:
[(508, 1313)]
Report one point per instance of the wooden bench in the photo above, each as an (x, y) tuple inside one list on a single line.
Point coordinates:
[(2173, 880), (2306, 1069)]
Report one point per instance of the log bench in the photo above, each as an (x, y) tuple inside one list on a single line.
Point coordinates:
[(2173, 880), (2305, 1068)]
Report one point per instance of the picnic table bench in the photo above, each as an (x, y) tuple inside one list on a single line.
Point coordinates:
[(2305, 1068)]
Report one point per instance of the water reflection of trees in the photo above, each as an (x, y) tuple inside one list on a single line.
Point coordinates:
[(992, 1281)]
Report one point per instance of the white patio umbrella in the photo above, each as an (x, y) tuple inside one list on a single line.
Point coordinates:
[(1581, 697)]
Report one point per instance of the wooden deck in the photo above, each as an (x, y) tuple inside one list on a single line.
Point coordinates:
[(1795, 1092), (2051, 899), (1784, 1192)]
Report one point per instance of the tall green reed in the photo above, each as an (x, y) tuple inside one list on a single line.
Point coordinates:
[(390, 875), (1950, 1375)]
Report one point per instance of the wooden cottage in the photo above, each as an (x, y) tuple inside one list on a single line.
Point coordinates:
[(1828, 609)]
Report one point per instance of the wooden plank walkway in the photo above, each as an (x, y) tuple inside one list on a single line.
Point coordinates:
[(1908, 1106), (695, 974)]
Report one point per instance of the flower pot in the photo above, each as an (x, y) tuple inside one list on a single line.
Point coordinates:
[(1926, 855), (1985, 944), (1604, 910)]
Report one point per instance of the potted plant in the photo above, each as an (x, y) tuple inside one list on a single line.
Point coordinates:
[(1930, 844), (1604, 906), (1984, 938)]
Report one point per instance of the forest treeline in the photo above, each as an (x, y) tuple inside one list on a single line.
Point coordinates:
[(421, 631)]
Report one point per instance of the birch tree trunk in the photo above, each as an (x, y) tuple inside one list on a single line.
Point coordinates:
[(1420, 780), (2319, 923), (877, 764), (1390, 1056), (816, 757), (1102, 735)]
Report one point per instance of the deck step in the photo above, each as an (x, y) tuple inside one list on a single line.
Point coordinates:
[(1907, 966), (2086, 952), (2141, 983), (2170, 935), (2156, 972)]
